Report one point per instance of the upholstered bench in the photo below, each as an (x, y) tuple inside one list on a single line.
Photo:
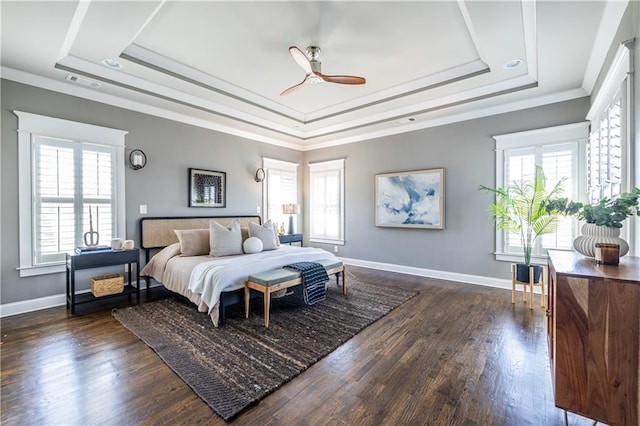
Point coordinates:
[(281, 278)]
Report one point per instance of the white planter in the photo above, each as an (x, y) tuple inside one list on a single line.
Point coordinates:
[(585, 244)]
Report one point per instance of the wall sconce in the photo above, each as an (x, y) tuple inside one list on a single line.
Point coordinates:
[(291, 210), (137, 159), (260, 175)]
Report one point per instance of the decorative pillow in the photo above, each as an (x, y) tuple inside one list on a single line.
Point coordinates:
[(265, 234), (275, 231), (245, 233), (225, 241), (252, 245), (193, 242)]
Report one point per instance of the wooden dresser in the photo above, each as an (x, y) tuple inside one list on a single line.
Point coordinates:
[(594, 337)]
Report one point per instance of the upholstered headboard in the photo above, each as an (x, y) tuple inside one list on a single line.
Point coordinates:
[(158, 232)]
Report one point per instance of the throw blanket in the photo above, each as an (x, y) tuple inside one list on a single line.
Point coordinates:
[(314, 278)]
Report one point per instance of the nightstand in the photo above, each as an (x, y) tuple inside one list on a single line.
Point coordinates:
[(99, 259), (291, 238)]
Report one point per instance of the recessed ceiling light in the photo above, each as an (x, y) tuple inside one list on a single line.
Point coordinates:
[(514, 63), (405, 120), (111, 63)]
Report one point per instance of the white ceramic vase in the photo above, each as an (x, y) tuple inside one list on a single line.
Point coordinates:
[(585, 244)]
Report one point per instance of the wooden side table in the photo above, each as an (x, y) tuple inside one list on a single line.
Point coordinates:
[(99, 259), (291, 238)]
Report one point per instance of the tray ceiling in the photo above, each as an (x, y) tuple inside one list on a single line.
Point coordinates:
[(223, 65)]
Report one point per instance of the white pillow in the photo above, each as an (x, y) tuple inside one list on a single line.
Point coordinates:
[(265, 234), (275, 231), (252, 245), (225, 241)]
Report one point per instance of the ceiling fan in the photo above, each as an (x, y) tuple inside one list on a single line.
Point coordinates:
[(312, 66)]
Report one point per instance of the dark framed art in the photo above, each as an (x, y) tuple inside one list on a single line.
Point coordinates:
[(410, 199), (207, 188)]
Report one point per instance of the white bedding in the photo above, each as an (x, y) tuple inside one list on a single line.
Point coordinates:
[(202, 278)]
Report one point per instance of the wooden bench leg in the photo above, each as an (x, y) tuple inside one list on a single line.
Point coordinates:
[(267, 305), (247, 292), (344, 282)]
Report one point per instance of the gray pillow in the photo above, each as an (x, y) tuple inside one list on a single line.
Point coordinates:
[(265, 234), (225, 241)]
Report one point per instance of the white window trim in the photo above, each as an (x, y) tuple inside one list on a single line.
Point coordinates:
[(29, 124), (549, 135), (324, 166), (618, 71)]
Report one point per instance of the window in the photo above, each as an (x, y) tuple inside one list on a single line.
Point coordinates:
[(281, 188), (71, 175), (327, 202), (610, 150), (605, 154), (560, 151), (608, 140)]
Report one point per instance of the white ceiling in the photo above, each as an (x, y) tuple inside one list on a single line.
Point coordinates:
[(222, 65)]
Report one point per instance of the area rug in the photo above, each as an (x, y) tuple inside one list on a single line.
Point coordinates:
[(234, 366)]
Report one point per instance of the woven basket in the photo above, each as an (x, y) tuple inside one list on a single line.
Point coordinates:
[(107, 284)]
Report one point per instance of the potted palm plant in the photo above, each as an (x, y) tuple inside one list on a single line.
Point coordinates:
[(520, 208), (602, 220)]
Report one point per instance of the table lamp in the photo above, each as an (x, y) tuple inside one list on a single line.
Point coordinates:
[(290, 209)]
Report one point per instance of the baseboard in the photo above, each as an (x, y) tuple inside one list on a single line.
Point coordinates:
[(433, 273), (32, 305)]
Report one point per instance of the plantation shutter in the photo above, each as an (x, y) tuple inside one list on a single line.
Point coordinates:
[(605, 153), (559, 162), (327, 201), (520, 166), (281, 188), (70, 177)]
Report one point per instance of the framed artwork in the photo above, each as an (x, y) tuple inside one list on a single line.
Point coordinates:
[(207, 188), (410, 199)]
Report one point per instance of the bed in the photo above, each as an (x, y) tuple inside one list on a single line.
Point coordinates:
[(211, 283)]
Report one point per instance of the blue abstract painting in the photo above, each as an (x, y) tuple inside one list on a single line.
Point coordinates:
[(411, 199)]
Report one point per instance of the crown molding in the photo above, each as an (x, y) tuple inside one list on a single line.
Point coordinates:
[(94, 95)]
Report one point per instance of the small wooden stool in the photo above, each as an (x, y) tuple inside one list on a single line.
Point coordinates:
[(530, 284)]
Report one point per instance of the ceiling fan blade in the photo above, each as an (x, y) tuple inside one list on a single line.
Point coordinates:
[(342, 79), (301, 59), (293, 88)]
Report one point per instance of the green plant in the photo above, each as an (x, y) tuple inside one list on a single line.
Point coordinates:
[(520, 208), (607, 212)]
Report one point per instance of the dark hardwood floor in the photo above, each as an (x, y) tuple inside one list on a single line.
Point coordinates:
[(455, 354)]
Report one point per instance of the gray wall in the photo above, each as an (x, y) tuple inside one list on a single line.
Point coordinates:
[(466, 151), (171, 149)]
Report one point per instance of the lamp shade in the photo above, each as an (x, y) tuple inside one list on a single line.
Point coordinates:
[(290, 209)]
